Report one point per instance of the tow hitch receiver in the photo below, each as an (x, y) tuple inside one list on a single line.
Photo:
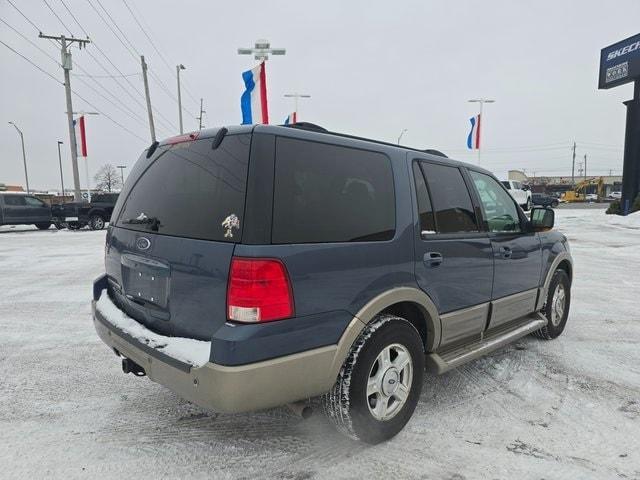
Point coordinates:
[(129, 366)]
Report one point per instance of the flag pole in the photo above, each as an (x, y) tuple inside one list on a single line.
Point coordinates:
[(480, 132), (481, 101)]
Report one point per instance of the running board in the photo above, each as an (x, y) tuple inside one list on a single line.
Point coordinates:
[(442, 362)]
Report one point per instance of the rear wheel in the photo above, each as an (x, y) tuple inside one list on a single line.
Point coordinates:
[(96, 222), (43, 226), (73, 226), (557, 306), (380, 381)]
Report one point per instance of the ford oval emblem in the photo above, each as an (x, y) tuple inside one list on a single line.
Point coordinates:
[(143, 243)]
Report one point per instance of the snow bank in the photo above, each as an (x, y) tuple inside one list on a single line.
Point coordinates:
[(188, 350)]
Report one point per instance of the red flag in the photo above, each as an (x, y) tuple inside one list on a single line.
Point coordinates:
[(83, 137)]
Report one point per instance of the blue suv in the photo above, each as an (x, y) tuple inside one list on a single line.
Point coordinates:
[(255, 266)]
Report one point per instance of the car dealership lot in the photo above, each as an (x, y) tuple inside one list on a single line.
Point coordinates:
[(569, 408)]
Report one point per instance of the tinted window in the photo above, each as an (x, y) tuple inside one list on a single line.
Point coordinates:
[(506, 184), (498, 207), (190, 190), (14, 200), (34, 202), (425, 212), (451, 199), (326, 193)]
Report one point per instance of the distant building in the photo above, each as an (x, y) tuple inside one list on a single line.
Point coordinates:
[(11, 188)]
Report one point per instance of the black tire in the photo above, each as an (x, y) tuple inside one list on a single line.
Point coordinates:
[(553, 329), (554, 204), (96, 222), (347, 404), (43, 226), (59, 225), (74, 226)]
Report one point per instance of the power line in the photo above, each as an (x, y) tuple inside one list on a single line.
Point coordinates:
[(121, 75), (74, 92), (126, 110), (23, 15), (32, 63), (130, 48), (31, 42), (144, 31)]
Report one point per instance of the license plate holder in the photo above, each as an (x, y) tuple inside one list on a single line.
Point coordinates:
[(146, 280)]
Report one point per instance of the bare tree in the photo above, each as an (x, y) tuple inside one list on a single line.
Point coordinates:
[(108, 178)]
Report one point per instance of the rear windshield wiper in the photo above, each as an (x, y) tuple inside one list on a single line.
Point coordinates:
[(142, 219)]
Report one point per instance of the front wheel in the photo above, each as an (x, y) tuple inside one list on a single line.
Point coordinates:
[(43, 226), (556, 308), (379, 384)]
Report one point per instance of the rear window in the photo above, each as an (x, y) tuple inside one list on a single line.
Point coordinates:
[(327, 193), (506, 184), (191, 190)]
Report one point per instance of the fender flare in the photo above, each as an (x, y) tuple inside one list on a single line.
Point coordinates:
[(376, 305), (544, 290)]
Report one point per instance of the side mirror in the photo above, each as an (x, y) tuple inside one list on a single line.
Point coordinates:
[(542, 219)]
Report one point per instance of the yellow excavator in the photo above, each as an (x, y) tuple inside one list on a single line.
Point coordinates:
[(578, 193)]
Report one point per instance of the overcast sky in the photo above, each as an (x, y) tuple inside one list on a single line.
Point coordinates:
[(372, 68)]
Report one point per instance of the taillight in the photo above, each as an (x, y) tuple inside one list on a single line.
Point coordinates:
[(259, 290)]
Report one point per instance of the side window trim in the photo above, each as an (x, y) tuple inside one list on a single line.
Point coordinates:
[(419, 162)]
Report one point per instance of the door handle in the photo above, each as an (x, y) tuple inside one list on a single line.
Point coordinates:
[(505, 252), (432, 259)]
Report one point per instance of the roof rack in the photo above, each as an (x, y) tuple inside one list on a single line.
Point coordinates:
[(317, 128)]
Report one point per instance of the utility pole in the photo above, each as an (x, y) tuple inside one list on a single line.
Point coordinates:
[(579, 169), (481, 101), (61, 177), (178, 68), (295, 97), (122, 167), (573, 165), (585, 166), (67, 66), (152, 128), (200, 117), (24, 156)]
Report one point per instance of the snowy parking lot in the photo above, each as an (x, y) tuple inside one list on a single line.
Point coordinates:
[(568, 408)]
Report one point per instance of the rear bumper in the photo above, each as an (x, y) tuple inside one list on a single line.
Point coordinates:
[(232, 389)]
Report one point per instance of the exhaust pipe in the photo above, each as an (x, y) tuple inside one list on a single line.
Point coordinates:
[(129, 366), (302, 409)]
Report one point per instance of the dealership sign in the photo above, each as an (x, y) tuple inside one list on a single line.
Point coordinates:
[(620, 63)]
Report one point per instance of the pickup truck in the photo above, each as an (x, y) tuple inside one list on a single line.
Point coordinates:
[(76, 215), (23, 209), (520, 193)]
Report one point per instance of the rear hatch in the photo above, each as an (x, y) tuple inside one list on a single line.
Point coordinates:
[(174, 229)]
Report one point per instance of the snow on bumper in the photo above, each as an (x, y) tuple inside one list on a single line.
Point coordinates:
[(183, 366)]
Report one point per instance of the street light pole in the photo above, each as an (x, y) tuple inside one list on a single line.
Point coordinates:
[(401, 134), (295, 97), (24, 156), (178, 68), (122, 167), (60, 161), (481, 101)]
